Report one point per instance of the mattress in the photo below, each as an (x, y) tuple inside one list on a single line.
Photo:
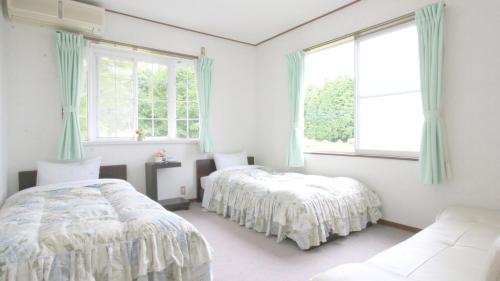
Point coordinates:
[(97, 230), (305, 208)]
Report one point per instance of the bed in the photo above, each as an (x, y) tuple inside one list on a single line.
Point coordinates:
[(305, 208), (101, 229)]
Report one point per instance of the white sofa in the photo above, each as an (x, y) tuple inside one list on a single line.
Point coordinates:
[(462, 245)]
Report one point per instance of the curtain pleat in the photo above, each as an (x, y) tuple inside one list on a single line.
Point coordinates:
[(70, 53), (204, 75), (429, 21), (296, 91)]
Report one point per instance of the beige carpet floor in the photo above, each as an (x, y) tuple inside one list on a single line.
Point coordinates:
[(241, 254)]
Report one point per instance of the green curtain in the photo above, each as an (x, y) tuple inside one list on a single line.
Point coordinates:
[(296, 92), (430, 36), (204, 70), (70, 52)]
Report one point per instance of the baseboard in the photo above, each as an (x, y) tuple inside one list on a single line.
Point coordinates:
[(399, 226)]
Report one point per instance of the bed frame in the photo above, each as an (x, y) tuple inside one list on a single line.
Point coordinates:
[(27, 179), (205, 167)]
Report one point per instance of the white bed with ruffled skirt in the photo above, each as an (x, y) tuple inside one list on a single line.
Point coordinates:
[(97, 230), (305, 208)]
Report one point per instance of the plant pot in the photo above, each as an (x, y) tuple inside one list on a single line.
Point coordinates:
[(158, 159)]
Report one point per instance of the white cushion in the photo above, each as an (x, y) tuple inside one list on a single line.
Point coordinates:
[(457, 247), (228, 160), (65, 171), (357, 272), (492, 272), (471, 214)]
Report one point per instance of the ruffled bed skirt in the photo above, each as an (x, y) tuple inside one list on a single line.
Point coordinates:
[(308, 222), (308, 237), (154, 258)]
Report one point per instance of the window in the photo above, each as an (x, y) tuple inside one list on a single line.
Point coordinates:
[(128, 90), (363, 95), (153, 99), (187, 103)]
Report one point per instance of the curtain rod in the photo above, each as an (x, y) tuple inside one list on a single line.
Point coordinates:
[(374, 28), (135, 47)]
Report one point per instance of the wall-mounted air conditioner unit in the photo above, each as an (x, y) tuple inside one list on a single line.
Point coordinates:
[(64, 14)]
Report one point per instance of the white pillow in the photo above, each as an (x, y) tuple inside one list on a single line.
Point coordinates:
[(227, 160), (203, 182), (492, 272), (65, 171)]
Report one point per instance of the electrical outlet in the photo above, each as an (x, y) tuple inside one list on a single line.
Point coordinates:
[(183, 190)]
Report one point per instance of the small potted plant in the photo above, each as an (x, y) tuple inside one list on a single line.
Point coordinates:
[(159, 156), (140, 134)]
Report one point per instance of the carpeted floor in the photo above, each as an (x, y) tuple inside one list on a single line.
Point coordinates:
[(241, 254)]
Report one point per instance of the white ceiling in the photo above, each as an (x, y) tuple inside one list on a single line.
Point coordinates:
[(251, 21)]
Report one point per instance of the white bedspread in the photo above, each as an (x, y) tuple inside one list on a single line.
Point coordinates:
[(304, 208), (97, 230)]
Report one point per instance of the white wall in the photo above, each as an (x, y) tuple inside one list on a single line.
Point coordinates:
[(471, 99), (242, 119), (34, 105), (3, 136)]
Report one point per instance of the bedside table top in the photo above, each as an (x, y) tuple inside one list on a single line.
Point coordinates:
[(166, 164)]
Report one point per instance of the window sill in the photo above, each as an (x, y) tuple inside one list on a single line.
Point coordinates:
[(350, 154), (135, 142)]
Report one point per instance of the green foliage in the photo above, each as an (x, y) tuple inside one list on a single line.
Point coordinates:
[(152, 80), (329, 111), (187, 103), (116, 100)]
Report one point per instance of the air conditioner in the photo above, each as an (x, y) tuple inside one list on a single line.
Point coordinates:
[(63, 14)]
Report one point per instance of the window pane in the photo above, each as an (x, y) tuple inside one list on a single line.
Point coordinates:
[(147, 126), (193, 110), (106, 86), (152, 80), (329, 99), (124, 88), (115, 98), (160, 82), (161, 128), (123, 68), (145, 109), (106, 67), (389, 62), (84, 129), (161, 109), (193, 129), (191, 85), (181, 83), (186, 86), (145, 89), (391, 123), (83, 110), (390, 107), (181, 128), (116, 118), (181, 109), (83, 117), (116, 68)]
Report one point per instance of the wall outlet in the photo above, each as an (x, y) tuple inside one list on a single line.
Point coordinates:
[(183, 190)]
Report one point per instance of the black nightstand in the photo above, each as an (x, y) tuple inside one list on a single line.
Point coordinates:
[(172, 204)]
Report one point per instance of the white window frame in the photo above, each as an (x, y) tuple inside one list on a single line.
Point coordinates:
[(94, 52), (357, 150)]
